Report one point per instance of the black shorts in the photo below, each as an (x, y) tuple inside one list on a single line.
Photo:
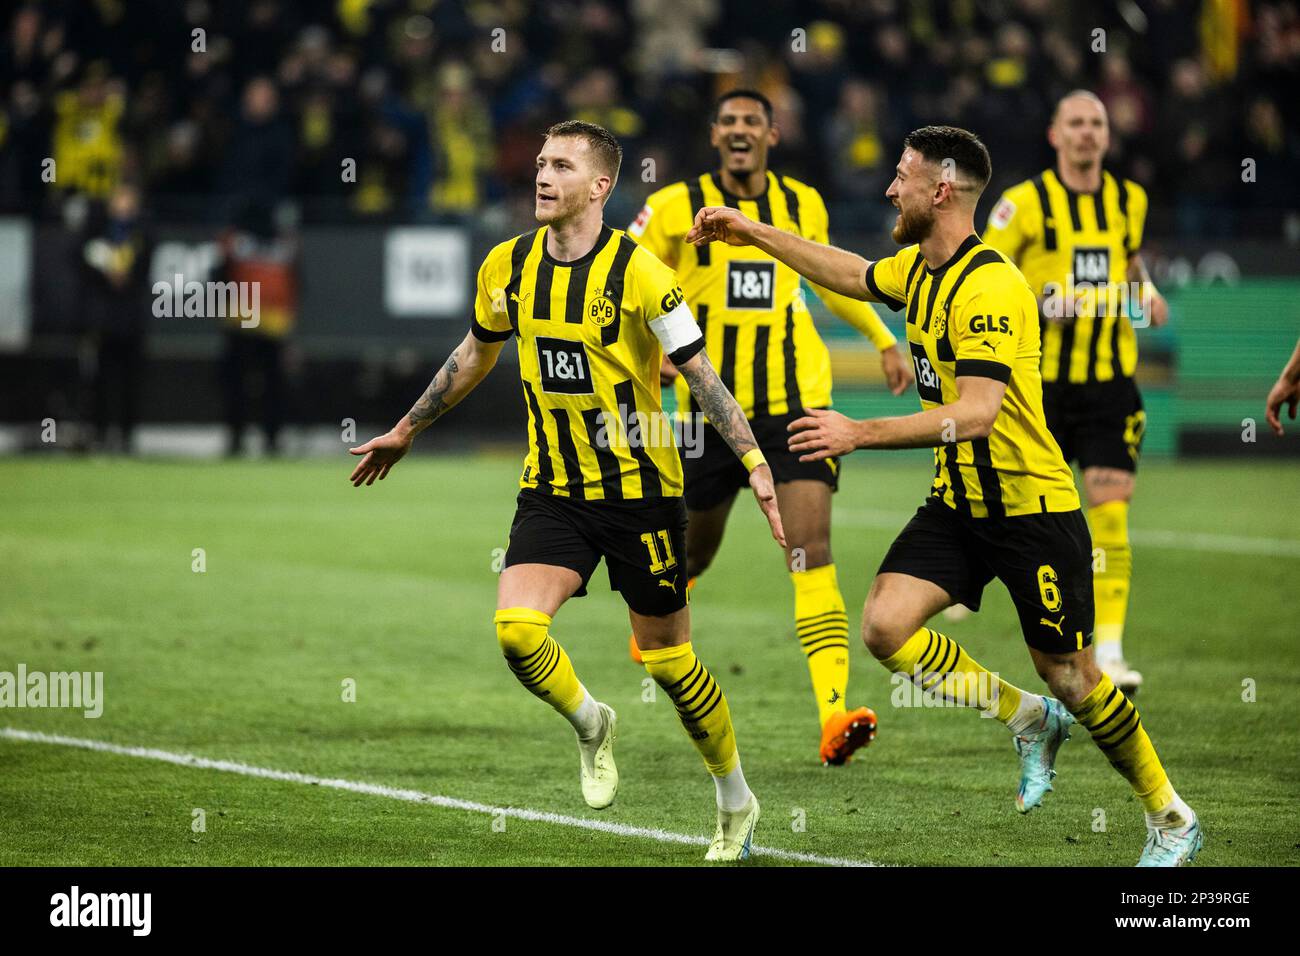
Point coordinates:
[(714, 473), (1045, 560), (643, 544), (1099, 423)]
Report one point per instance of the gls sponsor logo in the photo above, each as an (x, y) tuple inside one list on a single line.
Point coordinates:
[(103, 909), (671, 301), (987, 324)]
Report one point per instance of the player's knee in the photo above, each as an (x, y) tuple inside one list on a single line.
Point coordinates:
[(699, 557), (1070, 677), (520, 634), (809, 555), (880, 630)]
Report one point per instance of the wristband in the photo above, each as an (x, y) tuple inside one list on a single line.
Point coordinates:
[(753, 458)]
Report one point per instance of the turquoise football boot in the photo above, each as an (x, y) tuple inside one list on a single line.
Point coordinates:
[(1172, 846), (1037, 749)]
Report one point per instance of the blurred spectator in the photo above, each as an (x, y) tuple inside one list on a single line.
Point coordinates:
[(87, 141), (1275, 152), (860, 146), (24, 141), (264, 254), (1204, 166), (462, 141), (114, 252), (818, 74), (259, 156)]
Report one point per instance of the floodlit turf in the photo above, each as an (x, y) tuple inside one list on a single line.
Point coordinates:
[(309, 582)]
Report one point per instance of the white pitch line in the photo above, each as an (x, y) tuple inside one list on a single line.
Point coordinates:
[(409, 796), (1148, 538)]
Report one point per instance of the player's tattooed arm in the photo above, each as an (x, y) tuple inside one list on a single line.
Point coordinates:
[(728, 420), (467, 365), (434, 400), (718, 404)]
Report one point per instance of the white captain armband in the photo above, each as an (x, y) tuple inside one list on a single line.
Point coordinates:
[(678, 333)]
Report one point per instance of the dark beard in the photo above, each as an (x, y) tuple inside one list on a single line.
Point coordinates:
[(910, 230)]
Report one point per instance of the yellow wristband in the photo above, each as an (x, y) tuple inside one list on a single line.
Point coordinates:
[(753, 458)]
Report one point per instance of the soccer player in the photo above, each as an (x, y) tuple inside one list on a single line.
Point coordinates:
[(1003, 502), (1285, 391), (1075, 232), (760, 332), (592, 316)]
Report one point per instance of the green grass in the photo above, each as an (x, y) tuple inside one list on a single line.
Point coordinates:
[(310, 581)]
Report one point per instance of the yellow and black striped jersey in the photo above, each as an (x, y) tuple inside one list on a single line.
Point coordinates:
[(1076, 245), (88, 146), (976, 315), (757, 327), (589, 360)]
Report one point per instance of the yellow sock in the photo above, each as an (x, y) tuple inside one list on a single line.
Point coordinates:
[(1110, 580), (823, 629), (700, 702), (536, 659), (1117, 729), (937, 663)]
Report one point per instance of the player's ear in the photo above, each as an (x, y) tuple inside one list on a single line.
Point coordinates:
[(773, 136), (1052, 138), (943, 191), (715, 134)]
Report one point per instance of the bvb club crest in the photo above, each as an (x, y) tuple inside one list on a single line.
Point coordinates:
[(601, 310), (940, 323)]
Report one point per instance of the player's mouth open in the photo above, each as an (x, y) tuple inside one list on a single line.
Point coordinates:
[(740, 146)]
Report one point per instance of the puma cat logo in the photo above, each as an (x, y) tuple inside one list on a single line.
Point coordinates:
[(1056, 625), (668, 584)]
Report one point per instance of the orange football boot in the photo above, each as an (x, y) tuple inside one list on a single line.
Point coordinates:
[(846, 733)]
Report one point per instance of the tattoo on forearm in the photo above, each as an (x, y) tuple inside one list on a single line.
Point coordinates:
[(720, 406), (433, 402)]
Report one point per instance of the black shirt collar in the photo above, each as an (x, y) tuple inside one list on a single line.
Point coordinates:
[(717, 183), (969, 243), (1072, 192), (606, 234)]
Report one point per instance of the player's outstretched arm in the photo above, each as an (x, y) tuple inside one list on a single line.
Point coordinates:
[(726, 417), (1152, 304), (465, 367), (1285, 391), (826, 434), (835, 269)]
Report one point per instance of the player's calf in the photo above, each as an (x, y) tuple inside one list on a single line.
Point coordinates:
[(541, 665), (706, 718), (1174, 834)]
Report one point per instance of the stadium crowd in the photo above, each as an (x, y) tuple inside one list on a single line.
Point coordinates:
[(208, 106)]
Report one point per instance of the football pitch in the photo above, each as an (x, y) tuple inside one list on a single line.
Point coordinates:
[(235, 608)]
